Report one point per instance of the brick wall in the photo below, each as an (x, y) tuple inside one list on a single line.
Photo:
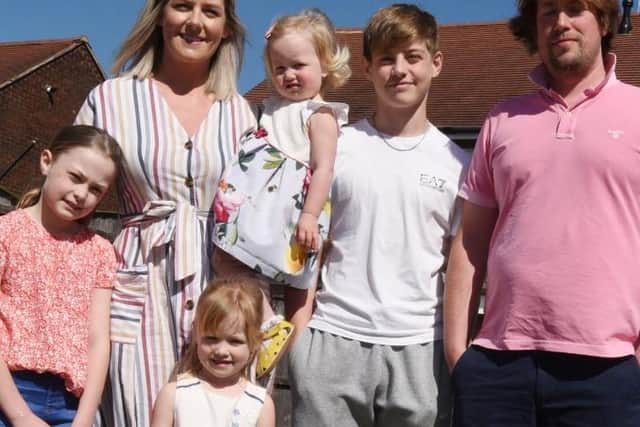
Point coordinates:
[(28, 113)]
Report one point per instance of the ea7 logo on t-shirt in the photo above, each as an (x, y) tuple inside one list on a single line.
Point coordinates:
[(432, 181)]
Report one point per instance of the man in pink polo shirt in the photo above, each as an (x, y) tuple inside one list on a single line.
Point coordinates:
[(552, 221)]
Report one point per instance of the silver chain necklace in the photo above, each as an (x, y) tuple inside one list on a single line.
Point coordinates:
[(398, 148)]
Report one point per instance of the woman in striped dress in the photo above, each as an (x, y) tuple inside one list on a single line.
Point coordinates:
[(177, 115)]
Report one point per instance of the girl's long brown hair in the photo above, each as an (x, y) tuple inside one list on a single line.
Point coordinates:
[(69, 138)]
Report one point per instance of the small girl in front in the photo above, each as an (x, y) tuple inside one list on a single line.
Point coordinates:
[(272, 208), (211, 385), (55, 287)]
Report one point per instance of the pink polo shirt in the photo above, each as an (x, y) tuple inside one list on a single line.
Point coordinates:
[(564, 260)]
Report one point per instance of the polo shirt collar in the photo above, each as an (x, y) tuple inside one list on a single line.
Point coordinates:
[(538, 76)]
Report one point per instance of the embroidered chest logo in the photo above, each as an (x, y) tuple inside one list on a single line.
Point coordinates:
[(615, 134), (432, 181)]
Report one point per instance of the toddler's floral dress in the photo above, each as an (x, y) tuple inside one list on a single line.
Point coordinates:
[(263, 190)]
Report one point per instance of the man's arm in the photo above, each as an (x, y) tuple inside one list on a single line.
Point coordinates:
[(465, 273)]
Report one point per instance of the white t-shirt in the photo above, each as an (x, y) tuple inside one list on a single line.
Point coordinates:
[(393, 212)]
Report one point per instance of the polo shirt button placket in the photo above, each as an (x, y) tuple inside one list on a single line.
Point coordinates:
[(566, 123)]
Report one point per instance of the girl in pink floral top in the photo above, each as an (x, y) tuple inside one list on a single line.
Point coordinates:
[(55, 287)]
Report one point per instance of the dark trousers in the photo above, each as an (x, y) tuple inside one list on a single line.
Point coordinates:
[(543, 389)]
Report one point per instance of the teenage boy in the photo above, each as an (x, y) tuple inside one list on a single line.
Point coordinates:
[(552, 214), (372, 352)]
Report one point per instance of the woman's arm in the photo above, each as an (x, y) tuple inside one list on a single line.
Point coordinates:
[(162, 415), (323, 134), (98, 361), (268, 414)]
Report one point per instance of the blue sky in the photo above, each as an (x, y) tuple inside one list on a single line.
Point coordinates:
[(106, 22)]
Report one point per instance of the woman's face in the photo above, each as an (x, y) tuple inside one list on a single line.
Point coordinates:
[(192, 30)]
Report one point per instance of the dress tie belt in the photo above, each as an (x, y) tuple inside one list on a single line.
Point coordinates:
[(166, 222)]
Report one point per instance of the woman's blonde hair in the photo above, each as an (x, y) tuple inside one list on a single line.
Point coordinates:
[(236, 298), (141, 53), (334, 58), (71, 137)]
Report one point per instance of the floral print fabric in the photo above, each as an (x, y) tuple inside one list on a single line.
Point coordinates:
[(257, 207)]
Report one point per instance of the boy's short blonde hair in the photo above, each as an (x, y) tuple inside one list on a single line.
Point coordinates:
[(397, 25)]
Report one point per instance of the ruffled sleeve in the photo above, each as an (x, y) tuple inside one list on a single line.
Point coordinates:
[(287, 124), (106, 268), (340, 111)]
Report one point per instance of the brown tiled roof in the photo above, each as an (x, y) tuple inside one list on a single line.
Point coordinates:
[(30, 114), (483, 64), (17, 58)]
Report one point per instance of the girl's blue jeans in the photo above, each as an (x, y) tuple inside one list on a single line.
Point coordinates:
[(46, 396)]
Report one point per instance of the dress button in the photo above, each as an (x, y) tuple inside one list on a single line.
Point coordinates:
[(188, 145), (188, 182), (189, 304)]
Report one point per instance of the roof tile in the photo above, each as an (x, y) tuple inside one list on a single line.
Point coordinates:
[(483, 64), (18, 57)]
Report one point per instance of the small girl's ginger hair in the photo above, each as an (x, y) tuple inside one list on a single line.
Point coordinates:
[(334, 58), (235, 297)]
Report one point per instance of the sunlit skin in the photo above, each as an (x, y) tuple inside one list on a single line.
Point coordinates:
[(224, 354), (296, 69), (402, 76), (76, 181), (192, 30), (569, 37)]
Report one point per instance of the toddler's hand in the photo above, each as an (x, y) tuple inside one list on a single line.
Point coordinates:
[(307, 231)]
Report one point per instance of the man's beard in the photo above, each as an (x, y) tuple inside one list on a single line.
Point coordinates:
[(577, 63)]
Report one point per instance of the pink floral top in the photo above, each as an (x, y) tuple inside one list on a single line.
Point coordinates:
[(46, 284)]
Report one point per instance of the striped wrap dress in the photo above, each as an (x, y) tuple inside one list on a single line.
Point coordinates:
[(166, 193)]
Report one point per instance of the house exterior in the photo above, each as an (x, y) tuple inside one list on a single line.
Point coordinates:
[(42, 85)]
